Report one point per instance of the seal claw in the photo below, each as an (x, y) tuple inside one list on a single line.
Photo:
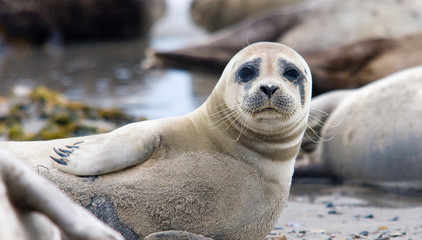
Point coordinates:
[(61, 154), (65, 151), (71, 146), (59, 161)]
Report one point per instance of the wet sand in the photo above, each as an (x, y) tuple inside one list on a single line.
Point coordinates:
[(325, 211)]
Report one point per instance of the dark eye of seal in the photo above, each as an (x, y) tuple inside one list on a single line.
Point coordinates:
[(292, 74), (248, 71)]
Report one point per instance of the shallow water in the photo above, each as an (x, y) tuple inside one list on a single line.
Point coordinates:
[(110, 74)]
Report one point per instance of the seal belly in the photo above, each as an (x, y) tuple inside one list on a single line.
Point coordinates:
[(177, 194)]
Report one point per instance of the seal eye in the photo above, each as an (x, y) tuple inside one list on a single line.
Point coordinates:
[(245, 73), (291, 74), (248, 71)]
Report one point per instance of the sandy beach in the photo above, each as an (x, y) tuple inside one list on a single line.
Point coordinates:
[(324, 211)]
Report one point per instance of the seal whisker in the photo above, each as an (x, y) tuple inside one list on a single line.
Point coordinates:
[(310, 139), (322, 123), (221, 121), (317, 135), (235, 118), (218, 109), (329, 126), (242, 126), (220, 112), (316, 121), (323, 113)]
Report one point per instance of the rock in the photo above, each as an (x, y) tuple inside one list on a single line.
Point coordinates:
[(35, 21), (357, 64), (381, 228)]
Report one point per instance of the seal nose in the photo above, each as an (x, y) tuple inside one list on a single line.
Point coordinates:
[(268, 90)]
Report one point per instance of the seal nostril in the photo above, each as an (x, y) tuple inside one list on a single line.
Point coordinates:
[(269, 91), (273, 89)]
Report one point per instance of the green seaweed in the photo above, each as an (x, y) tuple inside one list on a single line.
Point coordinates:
[(63, 118)]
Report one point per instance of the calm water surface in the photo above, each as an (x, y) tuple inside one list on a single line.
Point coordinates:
[(109, 74)]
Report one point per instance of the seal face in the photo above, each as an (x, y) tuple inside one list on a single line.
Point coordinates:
[(268, 84), (267, 97)]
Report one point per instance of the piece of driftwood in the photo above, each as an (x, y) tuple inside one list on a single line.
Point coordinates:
[(358, 64), (349, 66)]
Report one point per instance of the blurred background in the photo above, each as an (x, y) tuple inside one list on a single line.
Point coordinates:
[(103, 70)]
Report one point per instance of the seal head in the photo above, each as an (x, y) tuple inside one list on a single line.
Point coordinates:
[(267, 89)]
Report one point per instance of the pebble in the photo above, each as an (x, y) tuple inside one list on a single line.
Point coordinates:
[(330, 205), (333, 212), (383, 236), (293, 225), (382, 228), (397, 234)]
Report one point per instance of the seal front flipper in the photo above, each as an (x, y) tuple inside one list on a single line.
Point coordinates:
[(109, 152)]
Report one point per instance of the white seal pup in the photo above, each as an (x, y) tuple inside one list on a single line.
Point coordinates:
[(223, 171), (34, 209)]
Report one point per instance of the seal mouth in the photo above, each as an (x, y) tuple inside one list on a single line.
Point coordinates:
[(266, 110), (270, 109)]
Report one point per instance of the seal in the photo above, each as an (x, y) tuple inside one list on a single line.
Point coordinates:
[(370, 135), (33, 208), (223, 171)]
